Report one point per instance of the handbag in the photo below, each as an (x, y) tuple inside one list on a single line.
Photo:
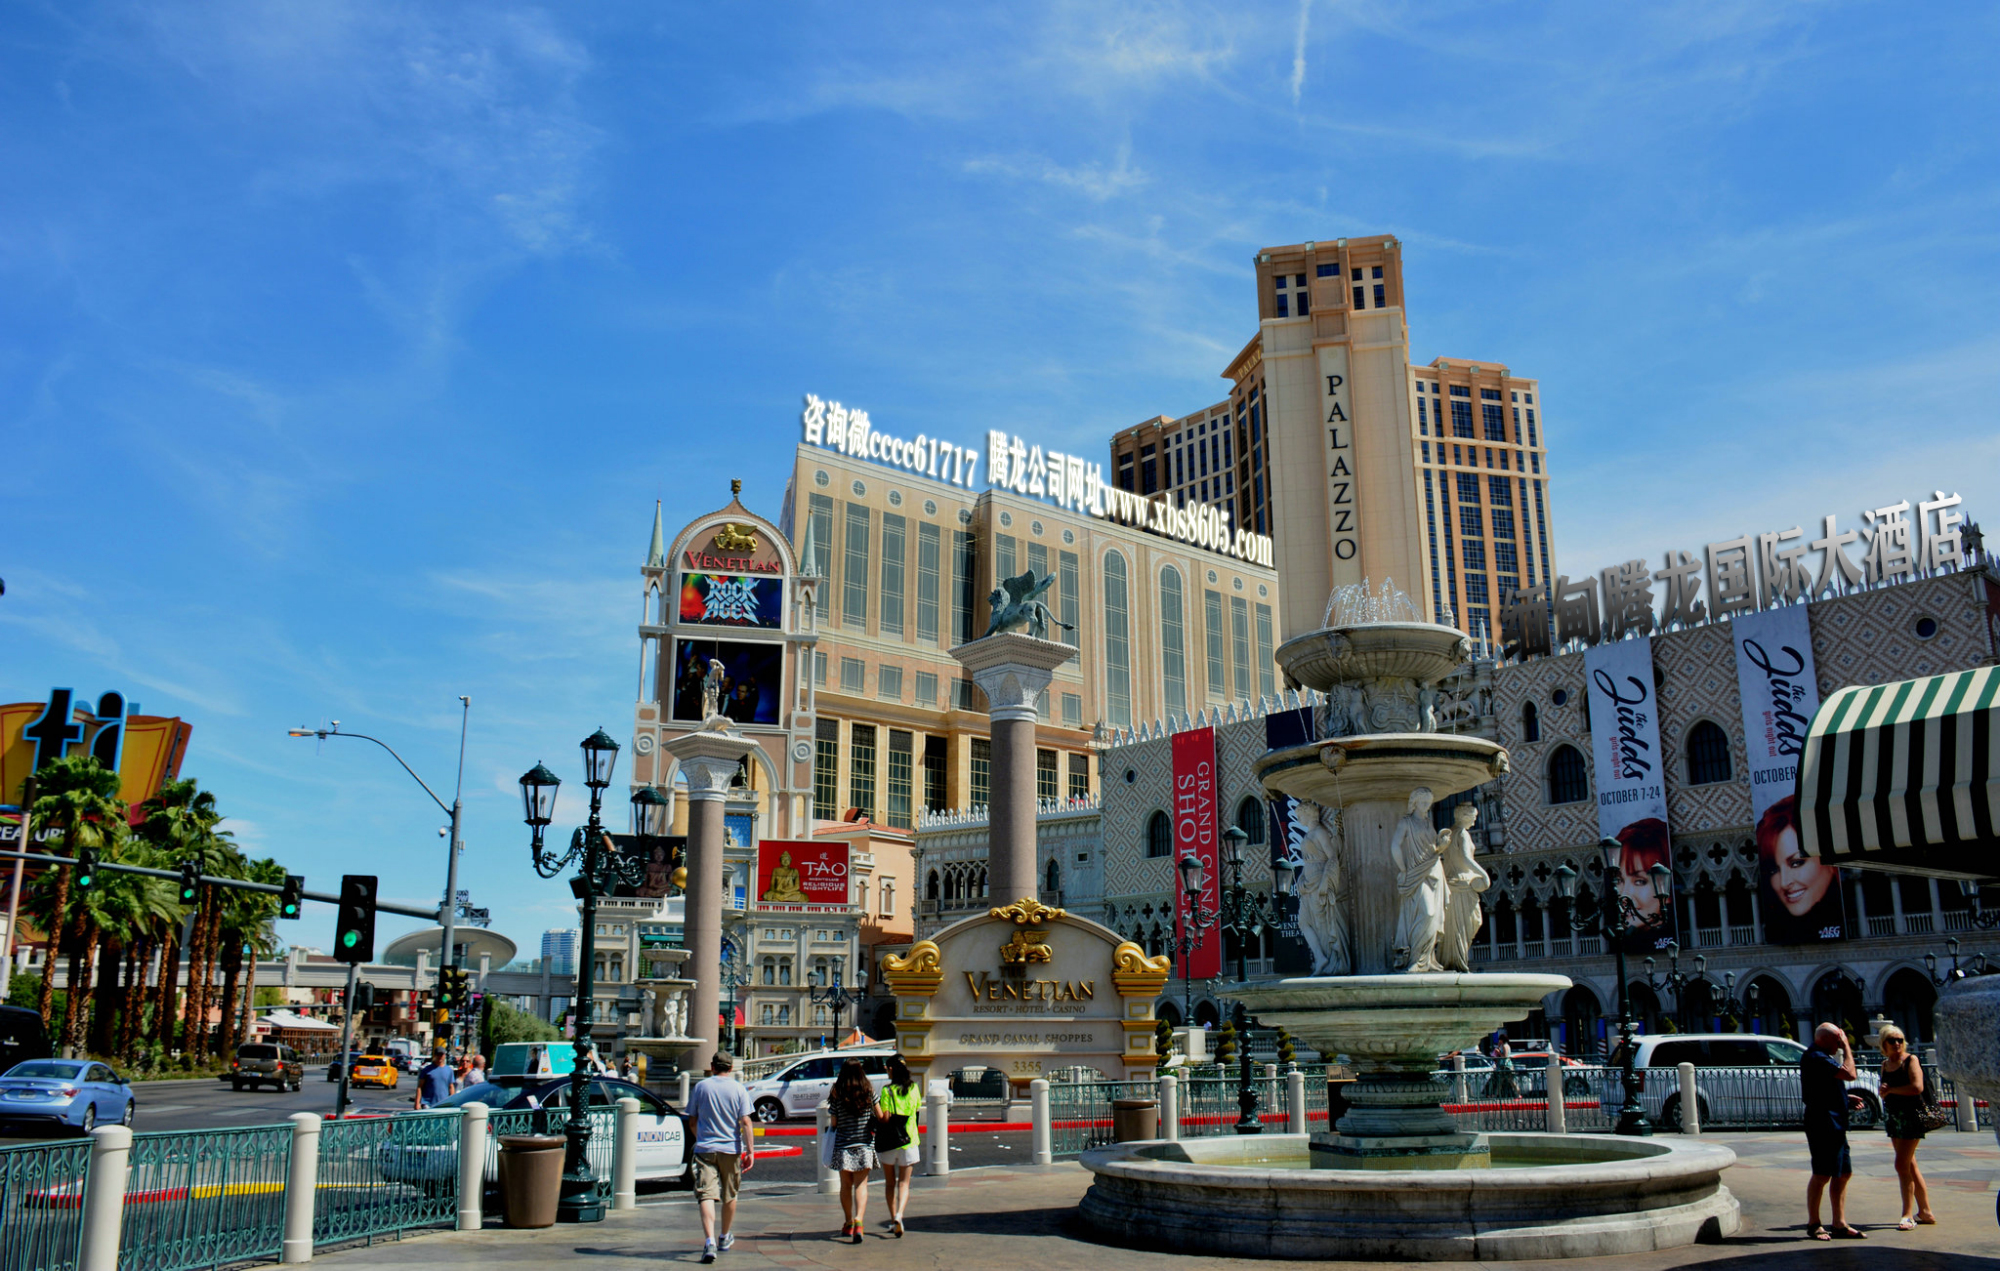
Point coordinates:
[(892, 1132), (1932, 1115)]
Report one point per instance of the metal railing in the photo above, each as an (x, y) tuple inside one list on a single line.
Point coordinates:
[(41, 1205), (382, 1176), (204, 1198), (603, 1139), (1080, 1111)]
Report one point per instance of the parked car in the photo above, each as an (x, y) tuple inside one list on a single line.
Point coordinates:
[(76, 1094), (23, 1036), (1757, 1082), (666, 1134), (798, 1089), (375, 1069), (266, 1064)]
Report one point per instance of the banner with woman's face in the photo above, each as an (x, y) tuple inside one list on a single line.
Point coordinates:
[(1631, 785)]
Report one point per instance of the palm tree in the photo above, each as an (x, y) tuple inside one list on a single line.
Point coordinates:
[(78, 799), (134, 910), (181, 820), (247, 932)]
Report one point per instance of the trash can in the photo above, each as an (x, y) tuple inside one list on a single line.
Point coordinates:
[(1133, 1119), (531, 1167)]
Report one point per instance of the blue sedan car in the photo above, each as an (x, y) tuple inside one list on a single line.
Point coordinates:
[(74, 1094)]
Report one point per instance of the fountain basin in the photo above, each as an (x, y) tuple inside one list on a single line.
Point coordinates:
[(1548, 1196), (1421, 651), (1396, 1021), (1381, 767)]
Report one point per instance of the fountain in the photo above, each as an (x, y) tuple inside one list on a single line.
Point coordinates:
[(1389, 906)]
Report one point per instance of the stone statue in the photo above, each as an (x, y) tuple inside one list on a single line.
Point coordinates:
[(1339, 715), (1322, 921), (1418, 852), (649, 1013), (711, 689), (1464, 879), (1017, 602), (1427, 714)]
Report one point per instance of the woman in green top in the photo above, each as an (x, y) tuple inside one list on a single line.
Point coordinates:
[(899, 1101)]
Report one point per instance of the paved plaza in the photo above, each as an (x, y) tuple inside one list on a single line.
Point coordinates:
[(1025, 1219)]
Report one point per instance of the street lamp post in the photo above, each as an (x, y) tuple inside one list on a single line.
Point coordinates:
[(1677, 979), (1614, 915), (839, 997), (1243, 913), (1188, 931), (599, 866), (735, 966), (1246, 1087)]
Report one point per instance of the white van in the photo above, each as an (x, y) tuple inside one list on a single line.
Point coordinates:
[(797, 1089)]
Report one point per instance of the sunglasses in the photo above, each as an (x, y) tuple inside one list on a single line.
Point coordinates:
[(1892, 1041)]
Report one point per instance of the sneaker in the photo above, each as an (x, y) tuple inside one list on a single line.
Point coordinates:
[(728, 1242), (708, 1251)]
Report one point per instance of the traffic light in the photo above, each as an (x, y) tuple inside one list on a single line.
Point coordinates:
[(354, 932), (86, 868), (190, 882), (364, 998), (293, 897)]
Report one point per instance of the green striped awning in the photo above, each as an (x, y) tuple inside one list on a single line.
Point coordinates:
[(1902, 776)]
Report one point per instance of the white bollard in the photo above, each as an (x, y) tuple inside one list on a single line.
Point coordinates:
[(1170, 1108), (301, 1185), (104, 1198), (937, 1135), (1965, 1113), (1458, 1077), (829, 1178), (1690, 1102), (625, 1156), (687, 1088), (1043, 1139), (472, 1167), (1558, 1111), (1295, 1101)]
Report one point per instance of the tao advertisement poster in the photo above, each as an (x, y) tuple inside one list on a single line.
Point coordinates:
[(1195, 830), (1798, 896), (802, 872), (1631, 785)]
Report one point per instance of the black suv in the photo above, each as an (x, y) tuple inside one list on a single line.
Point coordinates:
[(267, 1064)]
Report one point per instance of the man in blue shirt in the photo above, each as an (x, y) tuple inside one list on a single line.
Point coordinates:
[(434, 1081), (1824, 1071), (722, 1149)]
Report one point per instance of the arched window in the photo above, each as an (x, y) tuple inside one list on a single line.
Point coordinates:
[(1117, 643), (1707, 754), (931, 886), (1173, 644), (1052, 881), (1250, 820), (1159, 836), (1531, 722), (1567, 783), (982, 882)]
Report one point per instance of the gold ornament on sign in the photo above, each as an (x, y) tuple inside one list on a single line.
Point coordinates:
[(1027, 912), (1136, 975), (916, 973), (735, 538), (1026, 946)]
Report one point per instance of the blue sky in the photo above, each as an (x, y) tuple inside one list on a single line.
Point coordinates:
[(344, 348)]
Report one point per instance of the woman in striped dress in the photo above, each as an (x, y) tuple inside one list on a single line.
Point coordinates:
[(852, 1103)]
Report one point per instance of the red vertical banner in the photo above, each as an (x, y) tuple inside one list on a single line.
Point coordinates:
[(1194, 832)]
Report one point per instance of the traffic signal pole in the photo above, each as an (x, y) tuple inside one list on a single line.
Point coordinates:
[(210, 880), (346, 1042)]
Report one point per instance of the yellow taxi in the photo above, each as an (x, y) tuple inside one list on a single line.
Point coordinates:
[(375, 1070)]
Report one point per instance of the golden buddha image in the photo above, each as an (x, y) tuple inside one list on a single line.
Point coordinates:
[(784, 886)]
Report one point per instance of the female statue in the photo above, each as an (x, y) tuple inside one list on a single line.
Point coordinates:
[(1321, 920), (1464, 880), (1418, 853)]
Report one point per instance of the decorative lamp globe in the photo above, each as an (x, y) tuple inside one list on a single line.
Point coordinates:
[(600, 752), (538, 795)]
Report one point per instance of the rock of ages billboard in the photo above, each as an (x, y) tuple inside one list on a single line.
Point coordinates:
[(732, 600), (1631, 785)]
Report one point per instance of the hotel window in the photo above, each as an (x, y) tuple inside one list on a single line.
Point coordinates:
[(822, 531), (1047, 775), (1148, 475), (1461, 418), (1423, 418), (926, 688), (1502, 491), (1503, 522), (1495, 422), (854, 577), (1072, 709), (1173, 641), (784, 1016), (1506, 560), (1211, 609), (934, 784), (981, 773), (770, 1012), (889, 683), (1003, 557), (1159, 836), (1266, 677), (901, 777), (1468, 488), (1125, 470), (1038, 560), (1117, 643), (1468, 521), (965, 586), (1531, 427), (1381, 289), (1079, 777), (927, 583), (892, 573), (861, 769), (1239, 642), (1475, 584), (853, 676), (826, 770), (887, 891), (1327, 271), (819, 669), (1066, 605), (1474, 551)]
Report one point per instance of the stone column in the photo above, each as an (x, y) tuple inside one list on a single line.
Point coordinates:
[(1012, 669), (708, 760)]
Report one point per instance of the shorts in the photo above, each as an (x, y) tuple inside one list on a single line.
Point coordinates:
[(717, 1175), (909, 1154), (1828, 1145)]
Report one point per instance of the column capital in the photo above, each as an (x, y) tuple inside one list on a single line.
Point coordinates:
[(1012, 669), (708, 760)]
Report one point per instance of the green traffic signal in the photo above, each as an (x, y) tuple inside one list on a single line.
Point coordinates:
[(349, 939)]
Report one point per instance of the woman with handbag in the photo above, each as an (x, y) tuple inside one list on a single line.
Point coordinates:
[(1909, 1108), (896, 1139), (852, 1103)]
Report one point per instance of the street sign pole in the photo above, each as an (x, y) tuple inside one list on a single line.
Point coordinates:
[(346, 1043)]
